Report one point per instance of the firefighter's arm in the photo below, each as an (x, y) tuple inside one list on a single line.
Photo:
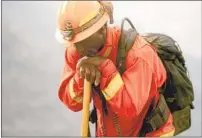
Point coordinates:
[(126, 94), (71, 87)]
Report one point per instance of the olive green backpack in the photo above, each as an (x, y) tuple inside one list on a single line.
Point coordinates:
[(176, 94)]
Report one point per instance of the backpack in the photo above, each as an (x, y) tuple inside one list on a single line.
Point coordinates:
[(176, 94)]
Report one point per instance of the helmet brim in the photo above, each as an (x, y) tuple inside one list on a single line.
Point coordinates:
[(89, 31)]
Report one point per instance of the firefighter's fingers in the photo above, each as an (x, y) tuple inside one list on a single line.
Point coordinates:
[(87, 73), (82, 72), (81, 62), (92, 74), (98, 76)]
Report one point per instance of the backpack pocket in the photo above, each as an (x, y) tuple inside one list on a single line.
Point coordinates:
[(182, 120)]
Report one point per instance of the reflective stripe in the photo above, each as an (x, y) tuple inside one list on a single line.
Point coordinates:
[(113, 87), (107, 52), (78, 99), (171, 133), (90, 16)]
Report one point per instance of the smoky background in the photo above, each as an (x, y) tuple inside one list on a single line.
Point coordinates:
[(32, 61)]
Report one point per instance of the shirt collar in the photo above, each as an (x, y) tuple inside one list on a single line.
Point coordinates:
[(108, 41)]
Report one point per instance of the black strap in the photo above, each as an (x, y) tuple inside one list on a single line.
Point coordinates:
[(156, 116), (93, 114), (126, 41), (145, 129), (102, 98), (93, 117)]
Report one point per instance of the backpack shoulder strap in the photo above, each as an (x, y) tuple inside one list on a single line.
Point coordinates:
[(126, 41)]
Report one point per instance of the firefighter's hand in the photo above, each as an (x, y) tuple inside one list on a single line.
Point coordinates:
[(90, 72), (96, 61), (88, 67)]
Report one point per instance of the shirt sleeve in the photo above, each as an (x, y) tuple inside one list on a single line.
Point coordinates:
[(71, 87), (128, 94)]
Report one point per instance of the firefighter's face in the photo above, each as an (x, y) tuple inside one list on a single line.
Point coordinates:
[(93, 44)]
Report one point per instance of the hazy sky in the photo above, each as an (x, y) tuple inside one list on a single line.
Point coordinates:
[(32, 61)]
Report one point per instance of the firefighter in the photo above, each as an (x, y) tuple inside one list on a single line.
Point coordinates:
[(91, 51)]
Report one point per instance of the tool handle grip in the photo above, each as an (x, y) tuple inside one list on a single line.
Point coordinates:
[(86, 108)]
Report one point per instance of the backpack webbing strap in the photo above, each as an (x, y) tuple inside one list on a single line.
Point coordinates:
[(155, 118), (126, 41)]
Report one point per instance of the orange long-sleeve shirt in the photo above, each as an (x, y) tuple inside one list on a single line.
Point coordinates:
[(128, 96)]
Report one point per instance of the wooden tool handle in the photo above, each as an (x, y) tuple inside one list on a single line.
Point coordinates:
[(86, 107)]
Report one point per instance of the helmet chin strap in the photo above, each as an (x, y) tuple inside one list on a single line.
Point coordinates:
[(109, 9)]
